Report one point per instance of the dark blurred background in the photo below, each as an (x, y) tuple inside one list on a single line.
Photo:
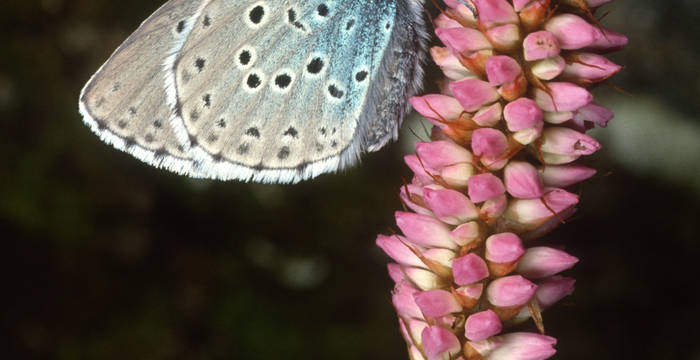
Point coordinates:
[(104, 257)]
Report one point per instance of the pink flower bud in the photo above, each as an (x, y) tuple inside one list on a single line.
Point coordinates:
[(588, 68), (522, 180), (396, 272), (449, 63), (484, 187), (424, 230), (444, 21), (521, 114), (463, 41), (529, 135), (482, 325), (412, 196), (437, 107), (422, 279), (456, 176), (469, 295), (414, 329), (549, 68), (534, 14), (488, 116), (495, 12), (403, 299), (438, 154), (469, 269), (473, 93), (488, 142), (421, 171), (436, 303), (524, 346), (565, 175), (540, 45), (450, 206), (572, 32), (504, 37), (503, 251), (467, 233), (395, 247), (528, 214), (510, 291), (607, 41), (552, 289), (439, 343), (563, 96), (492, 209), (540, 262), (564, 141), (594, 113), (502, 69)]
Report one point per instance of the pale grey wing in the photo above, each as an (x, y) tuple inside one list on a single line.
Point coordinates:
[(282, 91), (125, 101)]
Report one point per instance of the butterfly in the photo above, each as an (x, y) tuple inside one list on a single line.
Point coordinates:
[(274, 91)]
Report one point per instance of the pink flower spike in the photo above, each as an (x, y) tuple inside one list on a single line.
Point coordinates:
[(510, 291), (589, 68), (435, 303), (594, 113), (395, 247), (502, 69), (439, 343), (540, 262), (484, 186), (437, 107), (424, 230), (438, 154), (552, 289), (523, 180), (524, 346), (564, 141), (469, 269), (564, 96), (482, 325), (565, 175), (488, 142), (521, 114), (473, 93), (450, 206), (572, 32), (540, 45), (495, 12), (403, 299)]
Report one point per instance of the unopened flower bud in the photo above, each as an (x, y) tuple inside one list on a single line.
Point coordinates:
[(482, 325), (469, 269), (539, 262)]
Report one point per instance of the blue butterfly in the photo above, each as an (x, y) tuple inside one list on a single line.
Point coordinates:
[(273, 91)]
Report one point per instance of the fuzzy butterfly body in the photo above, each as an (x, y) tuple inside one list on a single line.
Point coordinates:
[(268, 91)]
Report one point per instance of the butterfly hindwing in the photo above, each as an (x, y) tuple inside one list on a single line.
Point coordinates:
[(124, 102)]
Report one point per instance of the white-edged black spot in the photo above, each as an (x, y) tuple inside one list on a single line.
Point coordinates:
[(387, 26), (349, 24), (157, 124), (244, 57), (291, 16), (291, 131), (283, 80), (132, 111), (322, 10), (221, 123), (253, 131), (180, 26), (129, 141), (335, 92), (199, 64), (194, 115), (283, 153), (217, 157), (161, 152), (122, 124), (253, 81), (334, 144), (243, 148), (315, 65), (207, 21), (256, 14), (322, 131), (207, 100), (360, 76)]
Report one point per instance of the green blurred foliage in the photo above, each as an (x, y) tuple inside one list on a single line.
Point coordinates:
[(107, 258)]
